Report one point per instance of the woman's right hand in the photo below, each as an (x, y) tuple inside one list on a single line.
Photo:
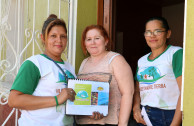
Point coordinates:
[(66, 93), (137, 116), (96, 116)]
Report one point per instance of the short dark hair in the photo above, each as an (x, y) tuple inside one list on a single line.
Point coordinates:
[(162, 19)]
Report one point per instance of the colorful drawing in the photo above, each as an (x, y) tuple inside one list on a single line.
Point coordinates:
[(83, 92), (103, 98), (90, 96), (94, 98), (100, 88), (149, 75)]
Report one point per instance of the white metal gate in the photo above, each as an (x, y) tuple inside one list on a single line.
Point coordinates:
[(20, 29)]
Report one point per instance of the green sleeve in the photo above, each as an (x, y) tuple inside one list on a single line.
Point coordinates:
[(27, 78), (136, 74), (177, 62)]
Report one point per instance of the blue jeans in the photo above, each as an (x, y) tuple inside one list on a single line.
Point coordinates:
[(159, 117)]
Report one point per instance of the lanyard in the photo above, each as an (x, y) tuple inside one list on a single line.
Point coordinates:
[(66, 77)]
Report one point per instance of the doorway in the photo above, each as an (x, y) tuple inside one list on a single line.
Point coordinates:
[(128, 25), (129, 19), (125, 23)]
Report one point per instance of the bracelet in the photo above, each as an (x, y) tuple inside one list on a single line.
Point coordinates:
[(56, 101)]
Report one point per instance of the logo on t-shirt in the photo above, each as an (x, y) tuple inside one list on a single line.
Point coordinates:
[(62, 78), (149, 75)]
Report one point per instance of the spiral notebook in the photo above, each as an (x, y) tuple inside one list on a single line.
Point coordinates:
[(90, 96)]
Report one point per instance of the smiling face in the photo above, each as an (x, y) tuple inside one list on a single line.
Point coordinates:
[(56, 42), (156, 41), (95, 43)]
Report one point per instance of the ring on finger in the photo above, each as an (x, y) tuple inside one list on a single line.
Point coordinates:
[(71, 92)]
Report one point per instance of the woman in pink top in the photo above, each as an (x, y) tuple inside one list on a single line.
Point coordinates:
[(103, 65)]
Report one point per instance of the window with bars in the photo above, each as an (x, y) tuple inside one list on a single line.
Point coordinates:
[(20, 28), (21, 22)]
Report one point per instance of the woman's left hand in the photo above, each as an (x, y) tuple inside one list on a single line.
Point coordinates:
[(97, 116), (138, 117)]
